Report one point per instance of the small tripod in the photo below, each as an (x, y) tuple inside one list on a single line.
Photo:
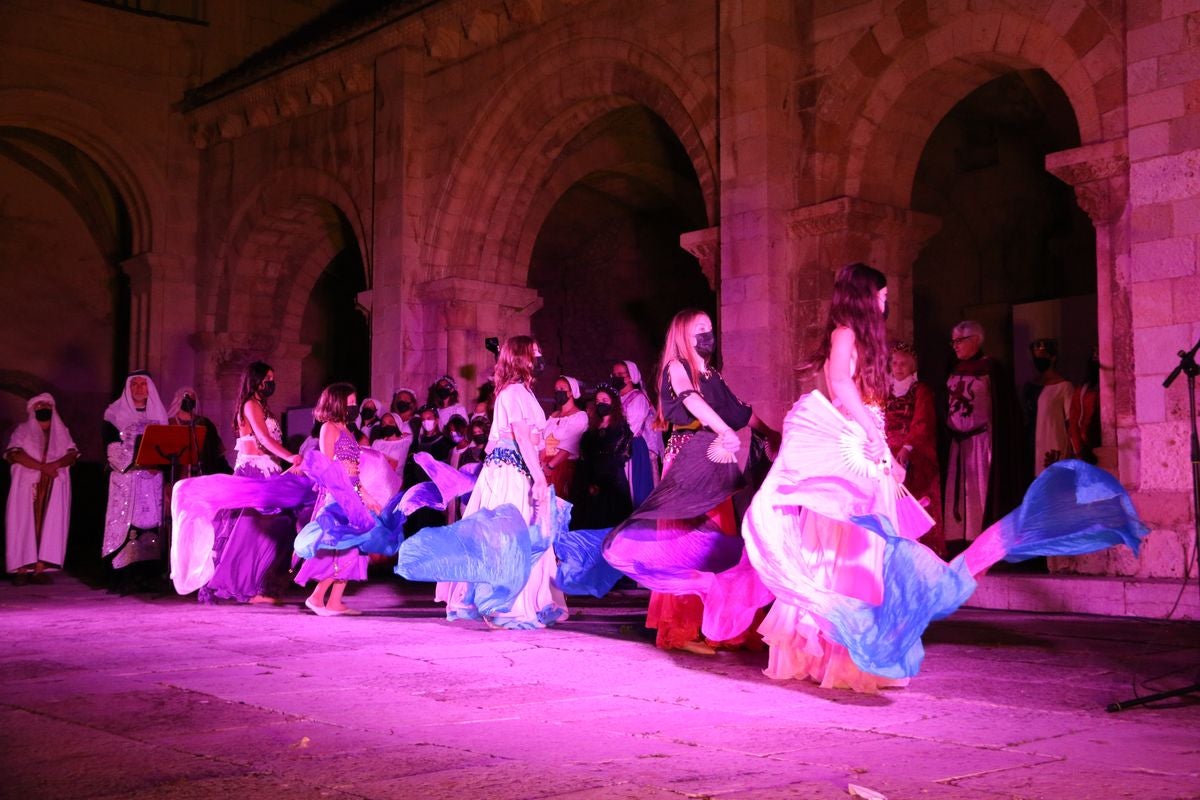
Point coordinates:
[(1187, 365)]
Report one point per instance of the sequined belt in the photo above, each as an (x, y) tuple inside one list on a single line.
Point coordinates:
[(503, 455), (676, 442)]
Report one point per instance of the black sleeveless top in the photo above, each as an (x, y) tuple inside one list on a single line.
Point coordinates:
[(720, 398)]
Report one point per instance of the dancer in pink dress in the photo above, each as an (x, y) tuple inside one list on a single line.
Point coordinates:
[(798, 535)]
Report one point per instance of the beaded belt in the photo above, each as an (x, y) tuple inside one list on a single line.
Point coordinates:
[(503, 455), (676, 442)]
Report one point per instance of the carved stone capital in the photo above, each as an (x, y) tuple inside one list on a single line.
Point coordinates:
[(1099, 174), (455, 291), (909, 229), (705, 245)]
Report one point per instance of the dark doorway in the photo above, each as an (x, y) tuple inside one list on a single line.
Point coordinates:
[(607, 261)]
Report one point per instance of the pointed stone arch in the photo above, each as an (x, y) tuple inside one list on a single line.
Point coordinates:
[(483, 225), (871, 126), (135, 177)]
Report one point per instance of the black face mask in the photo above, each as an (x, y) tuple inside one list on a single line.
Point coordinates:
[(188, 403), (43, 414), (539, 365), (267, 388), (443, 391), (1041, 364), (402, 407), (887, 306), (603, 409), (617, 381), (705, 343), (351, 413), (388, 431), (479, 439), (368, 413), (560, 398)]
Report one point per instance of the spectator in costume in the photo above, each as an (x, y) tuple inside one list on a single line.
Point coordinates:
[(133, 520), (185, 410), (645, 464), (1048, 398), (601, 494), (983, 477), (564, 429), (911, 424), (38, 515), (443, 396)]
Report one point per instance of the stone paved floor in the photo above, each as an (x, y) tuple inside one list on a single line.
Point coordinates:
[(139, 697)]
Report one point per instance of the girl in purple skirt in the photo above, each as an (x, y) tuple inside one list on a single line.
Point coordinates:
[(332, 568)]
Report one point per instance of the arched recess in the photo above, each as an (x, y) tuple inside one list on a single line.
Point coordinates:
[(486, 218), (281, 241), (870, 131), (136, 178), (606, 260)]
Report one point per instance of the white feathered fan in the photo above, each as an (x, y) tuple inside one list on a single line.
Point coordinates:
[(834, 446)]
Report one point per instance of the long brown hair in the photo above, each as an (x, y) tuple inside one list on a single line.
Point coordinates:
[(679, 346), (515, 363), (855, 305)]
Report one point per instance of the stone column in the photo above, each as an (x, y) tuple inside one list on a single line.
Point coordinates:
[(464, 312), (1100, 175), (705, 245), (837, 232), (162, 313)]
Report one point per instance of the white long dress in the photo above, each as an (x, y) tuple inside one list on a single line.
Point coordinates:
[(25, 545), (500, 482)]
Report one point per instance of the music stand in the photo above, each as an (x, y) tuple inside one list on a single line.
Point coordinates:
[(170, 446)]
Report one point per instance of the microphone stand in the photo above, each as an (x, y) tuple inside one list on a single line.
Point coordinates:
[(1187, 365)]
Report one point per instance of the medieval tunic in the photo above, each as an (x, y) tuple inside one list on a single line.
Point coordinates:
[(911, 424), (135, 496), (38, 513), (969, 419)]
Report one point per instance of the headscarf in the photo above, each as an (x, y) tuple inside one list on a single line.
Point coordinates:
[(122, 413), (635, 375), (177, 402), (574, 384), (29, 437)]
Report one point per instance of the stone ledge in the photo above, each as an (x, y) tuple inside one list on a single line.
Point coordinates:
[(1087, 594)]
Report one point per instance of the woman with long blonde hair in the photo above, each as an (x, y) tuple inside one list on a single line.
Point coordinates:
[(682, 541)]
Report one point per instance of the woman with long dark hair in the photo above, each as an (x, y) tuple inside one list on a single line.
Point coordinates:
[(794, 545), (601, 491), (833, 533), (251, 549)]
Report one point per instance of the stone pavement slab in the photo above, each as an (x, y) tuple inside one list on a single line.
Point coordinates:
[(161, 698)]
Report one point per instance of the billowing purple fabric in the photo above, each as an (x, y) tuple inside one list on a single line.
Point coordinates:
[(195, 503), (668, 545), (346, 522)]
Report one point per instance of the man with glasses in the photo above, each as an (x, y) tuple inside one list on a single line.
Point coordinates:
[(979, 416)]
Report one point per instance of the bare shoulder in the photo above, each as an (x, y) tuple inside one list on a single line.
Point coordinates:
[(842, 335)]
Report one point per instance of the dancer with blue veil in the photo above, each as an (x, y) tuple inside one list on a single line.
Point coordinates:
[(832, 532)]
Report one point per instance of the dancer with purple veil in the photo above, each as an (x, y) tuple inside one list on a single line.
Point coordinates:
[(332, 568), (682, 542), (252, 546), (832, 532)]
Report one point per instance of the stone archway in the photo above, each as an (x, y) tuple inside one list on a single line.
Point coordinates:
[(901, 78), (487, 218), (482, 227), (282, 240)]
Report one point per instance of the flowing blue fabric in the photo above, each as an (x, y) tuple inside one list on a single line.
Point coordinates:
[(641, 475), (582, 568), (346, 522), (1071, 509), (494, 550)]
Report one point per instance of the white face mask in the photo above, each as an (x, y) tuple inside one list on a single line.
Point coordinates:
[(428, 424)]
